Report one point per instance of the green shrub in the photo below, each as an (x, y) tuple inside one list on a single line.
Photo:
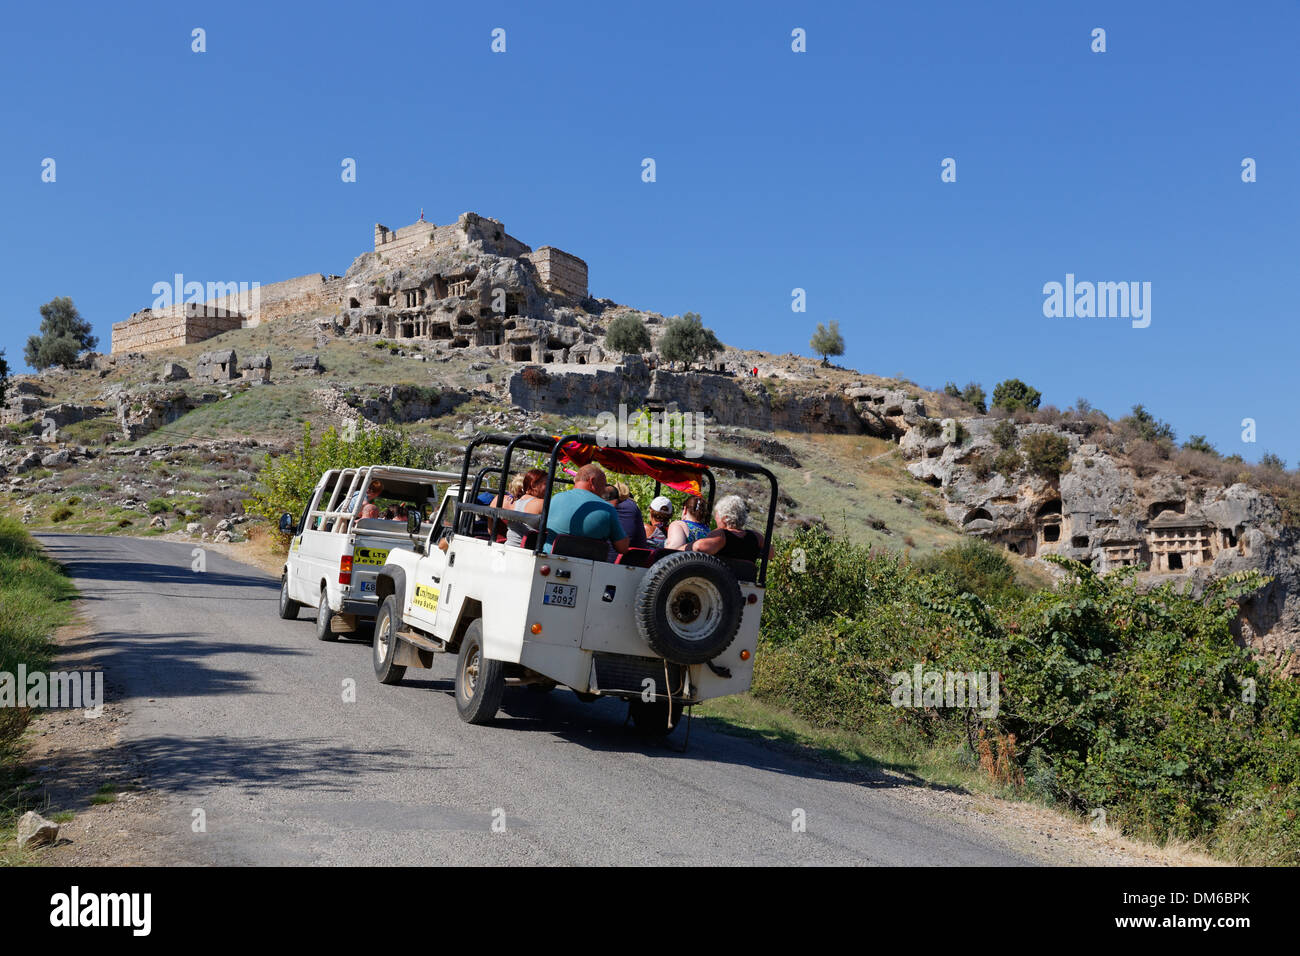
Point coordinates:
[(1007, 462), (61, 513), (1004, 434), (1146, 426), (978, 567), (158, 505), (1139, 703), (1046, 453)]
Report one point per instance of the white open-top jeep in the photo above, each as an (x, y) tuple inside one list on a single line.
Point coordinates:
[(661, 629), (335, 554)]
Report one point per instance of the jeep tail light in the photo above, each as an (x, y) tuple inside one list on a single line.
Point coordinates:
[(744, 655), (536, 628), (345, 569), (752, 599), (544, 570)]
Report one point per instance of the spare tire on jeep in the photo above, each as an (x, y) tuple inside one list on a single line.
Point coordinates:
[(688, 607)]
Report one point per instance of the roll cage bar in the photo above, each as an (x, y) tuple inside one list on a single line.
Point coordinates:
[(552, 447)]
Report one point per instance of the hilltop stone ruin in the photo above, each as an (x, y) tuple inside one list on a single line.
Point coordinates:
[(467, 285)]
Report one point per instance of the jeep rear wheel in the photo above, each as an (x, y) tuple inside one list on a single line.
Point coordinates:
[(688, 607), (385, 646), (655, 718), (479, 682), (289, 608), (325, 620)]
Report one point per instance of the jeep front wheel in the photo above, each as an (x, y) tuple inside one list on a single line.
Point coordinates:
[(479, 682), (288, 606)]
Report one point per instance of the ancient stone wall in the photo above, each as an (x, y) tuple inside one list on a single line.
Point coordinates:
[(149, 331), (407, 238), (560, 271), (310, 293), (429, 237)]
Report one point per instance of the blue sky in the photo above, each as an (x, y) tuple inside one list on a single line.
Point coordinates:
[(775, 170)]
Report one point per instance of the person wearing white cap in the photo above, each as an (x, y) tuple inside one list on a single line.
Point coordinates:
[(661, 513)]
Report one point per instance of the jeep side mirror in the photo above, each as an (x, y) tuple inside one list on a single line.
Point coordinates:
[(413, 520), (286, 522)]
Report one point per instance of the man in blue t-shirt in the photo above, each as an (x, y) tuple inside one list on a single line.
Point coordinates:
[(584, 513)]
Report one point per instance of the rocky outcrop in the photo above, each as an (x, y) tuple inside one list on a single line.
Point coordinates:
[(142, 411), (722, 399), (393, 404), (885, 412), (1099, 511)]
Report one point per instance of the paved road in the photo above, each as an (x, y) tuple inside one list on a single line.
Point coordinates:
[(242, 715)]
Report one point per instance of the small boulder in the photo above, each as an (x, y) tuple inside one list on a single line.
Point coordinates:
[(34, 830), (54, 459), (173, 372)]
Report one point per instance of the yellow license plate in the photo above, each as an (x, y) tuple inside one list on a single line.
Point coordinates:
[(376, 556)]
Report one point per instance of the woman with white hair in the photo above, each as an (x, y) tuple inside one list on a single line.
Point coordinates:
[(731, 539)]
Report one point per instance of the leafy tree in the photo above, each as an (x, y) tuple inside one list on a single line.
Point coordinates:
[(827, 341), (686, 340), (1199, 443), (1147, 426), (973, 395), (4, 376), (1014, 394), (64, 333), (627, 333), (1271, 461)]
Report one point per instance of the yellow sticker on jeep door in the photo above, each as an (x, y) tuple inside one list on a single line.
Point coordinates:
[(425, 597)]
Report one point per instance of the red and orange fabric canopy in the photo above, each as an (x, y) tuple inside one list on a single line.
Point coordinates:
[(677, 474)]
